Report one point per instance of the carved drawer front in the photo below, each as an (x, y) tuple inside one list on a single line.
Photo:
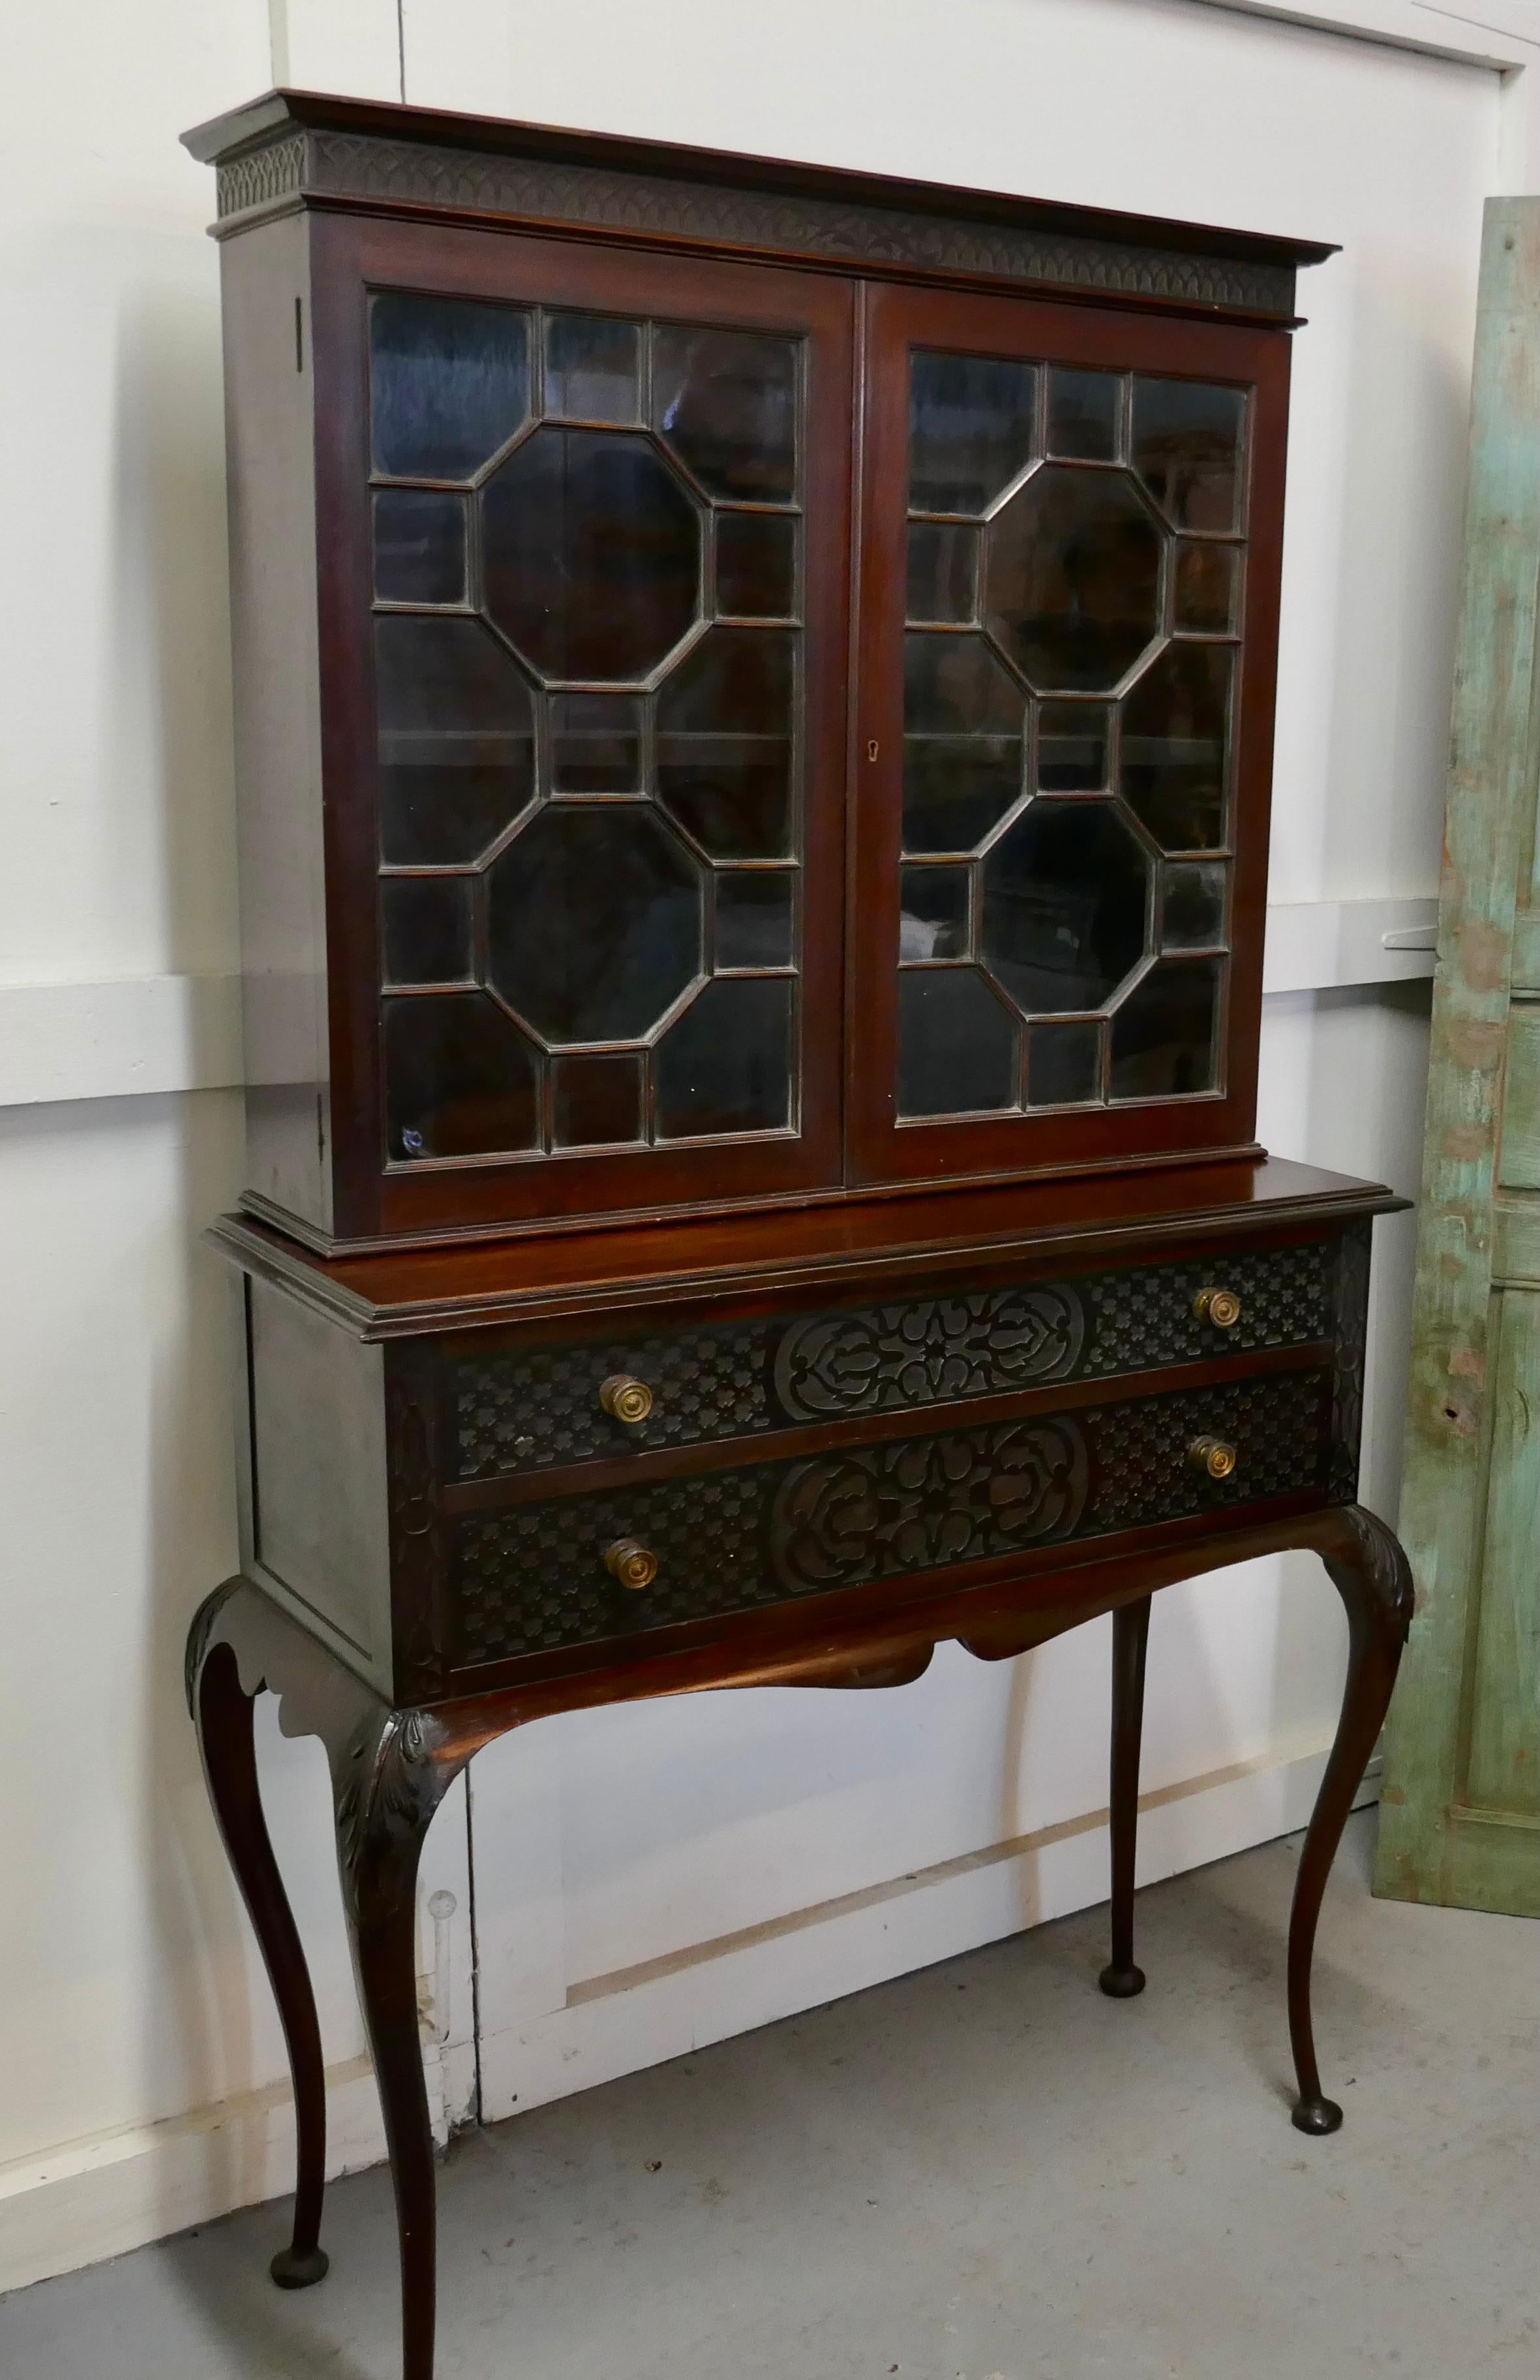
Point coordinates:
[(526, 1408), (539, 1576)]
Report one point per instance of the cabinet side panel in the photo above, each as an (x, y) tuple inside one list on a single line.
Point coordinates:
[(319, 1512), (268, 393)]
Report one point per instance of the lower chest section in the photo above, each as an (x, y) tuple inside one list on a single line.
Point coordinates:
[(460, 1508)]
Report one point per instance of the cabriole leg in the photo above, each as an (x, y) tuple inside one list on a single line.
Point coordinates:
[(389, 1777), (1120, 1979), (1369, 1570), (222, 1713)]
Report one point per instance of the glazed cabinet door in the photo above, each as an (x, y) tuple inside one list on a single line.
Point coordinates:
[(1067, 632), (583, 541)]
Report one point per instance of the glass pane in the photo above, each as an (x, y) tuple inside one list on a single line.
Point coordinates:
[(1165, 1034), (754, 920), (590, 553), (594, 922), (943, 570), (1188, 447), (596, 743), (1206, 583), (1175, 753), (724, 743), (726, 402), (1071, 747), (1072, 581), (755, 566), (1193, 913), (1083, 410), (425, 927), (449, 382), (596, 1099), (591, 368), (933, 919), (460, 1078), (456, 739), (726, 1066), (1063, 1065), (956, 1044), (420, 546), (971, 430), (1066, 897), (964, 716)]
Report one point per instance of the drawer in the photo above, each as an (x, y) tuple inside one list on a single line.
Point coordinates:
[(532, 1578), (521, 1407)]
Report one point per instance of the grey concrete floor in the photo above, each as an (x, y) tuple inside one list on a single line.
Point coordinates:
[(984, 2171)]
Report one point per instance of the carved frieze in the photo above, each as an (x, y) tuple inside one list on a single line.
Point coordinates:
[(317, 163)]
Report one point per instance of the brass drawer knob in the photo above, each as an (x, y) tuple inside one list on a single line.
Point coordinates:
[(631, 1563), (1219, 1306), (1212, 1456), (627, 1400)]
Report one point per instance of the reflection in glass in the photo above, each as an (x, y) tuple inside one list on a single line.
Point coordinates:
[(1165, 1033), (1071, 747), (596, 743), (726, 402), (420, 546), (755, 566), (596, 1099), (943, 570), (1064, 1064), (1188, 450), (726, 1064), (594, 922), (1065, 892), (933, 914), (591, 368), (425, 924), (724, 743), (449, 382), (1206, 583), (590, 553), (1072, 579), (963, 717), (971, 427), (456, 739), (956, 1044), (460, 1078), (754, 919), (1083, 414), (1192, 910), (1175, 752)]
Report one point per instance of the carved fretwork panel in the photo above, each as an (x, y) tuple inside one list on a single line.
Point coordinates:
[(522, 1409), (1350, 1332), (533, 1579)]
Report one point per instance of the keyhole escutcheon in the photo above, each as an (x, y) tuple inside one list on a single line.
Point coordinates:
[(871, 748)]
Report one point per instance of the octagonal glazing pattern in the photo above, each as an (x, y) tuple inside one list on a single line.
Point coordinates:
[(590, 550), (1073, 579), (587, 669), (1076, 546)]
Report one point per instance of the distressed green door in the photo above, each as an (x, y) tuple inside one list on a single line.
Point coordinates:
[(1460, 1815)]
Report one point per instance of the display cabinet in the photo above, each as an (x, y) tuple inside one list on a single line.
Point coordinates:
[(754, 706)]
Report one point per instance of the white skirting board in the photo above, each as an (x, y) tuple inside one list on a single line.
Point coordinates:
[(99, 2197), (95, 2198)]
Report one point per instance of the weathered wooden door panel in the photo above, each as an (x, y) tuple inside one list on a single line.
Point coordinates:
[(1461, 1813)]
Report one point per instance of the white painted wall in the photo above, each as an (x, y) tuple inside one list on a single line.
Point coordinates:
[(143, 2061)]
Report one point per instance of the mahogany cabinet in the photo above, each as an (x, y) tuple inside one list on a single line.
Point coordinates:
[(753, 702), (712, 731)]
